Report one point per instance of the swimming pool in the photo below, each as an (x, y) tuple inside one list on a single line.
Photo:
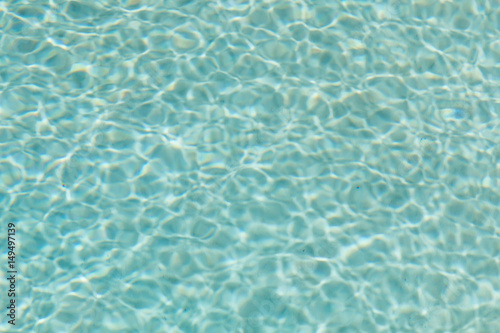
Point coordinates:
[(251, 166)]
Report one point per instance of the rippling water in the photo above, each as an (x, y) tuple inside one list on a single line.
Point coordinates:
[(252, 166)]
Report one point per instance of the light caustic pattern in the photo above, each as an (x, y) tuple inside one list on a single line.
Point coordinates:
[(252, 166)]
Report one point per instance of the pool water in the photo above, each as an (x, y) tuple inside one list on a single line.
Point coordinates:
[(251, 166)]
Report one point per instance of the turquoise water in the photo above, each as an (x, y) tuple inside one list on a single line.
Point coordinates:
[(251, 166)]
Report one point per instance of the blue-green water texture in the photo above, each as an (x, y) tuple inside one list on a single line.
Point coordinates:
[(205, 166)]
